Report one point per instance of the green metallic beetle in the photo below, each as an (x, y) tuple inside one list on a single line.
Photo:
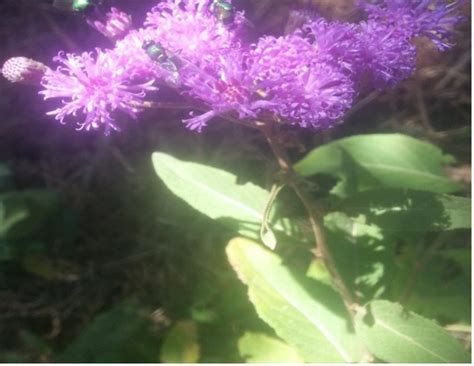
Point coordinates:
[(223, 11), (156, 51), (77, 6), (168, 62)]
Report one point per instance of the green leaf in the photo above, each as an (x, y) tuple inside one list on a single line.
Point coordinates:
[(308, 315), (442, 289), (363, 256), (457, 210), (400, 211), (121, 334), (25, 213), (181, 345), (394, 334), (390, 160), (216, 193), (261, 348), (318, 271), (52, 270), (10, 220)]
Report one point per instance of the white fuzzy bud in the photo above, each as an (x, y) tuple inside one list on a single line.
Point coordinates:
[(23, 70)]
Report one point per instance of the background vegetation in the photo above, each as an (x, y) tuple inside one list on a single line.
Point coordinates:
[(100, 261)]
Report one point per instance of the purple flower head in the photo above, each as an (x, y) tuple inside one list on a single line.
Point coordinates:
[(373, 52), (96, 87), (386, 56), (190, 29), (434, 19), (225, 87), (115, 25), (130, 49), (295, 76), (335, 42)]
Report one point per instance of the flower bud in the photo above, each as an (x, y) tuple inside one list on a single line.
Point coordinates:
[(115, 26), (23, 70)]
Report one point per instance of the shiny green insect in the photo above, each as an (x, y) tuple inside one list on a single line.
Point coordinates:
[(78, 6), (223, 11), (156, 52), (168, 62)]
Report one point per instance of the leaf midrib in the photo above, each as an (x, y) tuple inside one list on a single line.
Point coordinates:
[(409, 339), (339, 349), (254, 213)]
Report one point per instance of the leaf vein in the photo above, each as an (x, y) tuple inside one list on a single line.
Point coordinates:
[(409, 339)]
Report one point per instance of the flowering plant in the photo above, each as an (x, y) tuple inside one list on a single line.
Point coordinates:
[(307, 78)]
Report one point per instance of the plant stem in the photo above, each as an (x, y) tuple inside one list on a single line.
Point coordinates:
[(265, 227), (315, 216)]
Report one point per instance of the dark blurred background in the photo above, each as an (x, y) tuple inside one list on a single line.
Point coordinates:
[(103, 259)]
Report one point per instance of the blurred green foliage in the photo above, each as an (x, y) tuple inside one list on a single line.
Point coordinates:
[(389, 243), (122, 334)]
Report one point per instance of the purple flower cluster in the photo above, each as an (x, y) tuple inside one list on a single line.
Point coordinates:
[(96, 87), (306, 87), (308, 77), (434, 19)]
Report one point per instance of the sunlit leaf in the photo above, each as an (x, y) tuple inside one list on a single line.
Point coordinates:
[(390, 160), (181, 344), (216, 194), (308, 315), (261, 348), (394, 334), (318, 271)]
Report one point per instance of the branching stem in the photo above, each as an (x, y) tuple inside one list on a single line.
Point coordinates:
[(315, 215)]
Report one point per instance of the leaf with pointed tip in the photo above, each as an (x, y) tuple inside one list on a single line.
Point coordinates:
[(308, 315), (390, 160), (394, 334), (216, 194)]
